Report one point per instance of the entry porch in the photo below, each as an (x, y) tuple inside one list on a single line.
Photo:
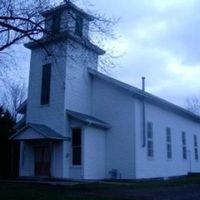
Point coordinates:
[(81, 155), (41, 151)]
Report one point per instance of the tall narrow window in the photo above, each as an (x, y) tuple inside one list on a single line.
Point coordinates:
[(56, 23), (169, 143), (184, 148), (196, 153), (46, 83), (76, 146), (79, 26), (150, 152)]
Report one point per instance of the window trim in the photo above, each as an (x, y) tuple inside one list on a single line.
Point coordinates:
[(79, 24), (184, 146), (169, 143), (196, 149), (55, 28), (45, 93), (81, 147), (150, 141)]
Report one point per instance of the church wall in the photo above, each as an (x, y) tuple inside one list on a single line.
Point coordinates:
[(116, 107), (160, 165)]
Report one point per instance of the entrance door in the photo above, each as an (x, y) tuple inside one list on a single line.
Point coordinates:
[(42, 161)]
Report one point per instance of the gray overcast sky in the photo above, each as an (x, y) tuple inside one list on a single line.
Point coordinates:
[(159, 39)]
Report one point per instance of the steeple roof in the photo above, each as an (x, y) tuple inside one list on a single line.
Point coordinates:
[(67, 5)]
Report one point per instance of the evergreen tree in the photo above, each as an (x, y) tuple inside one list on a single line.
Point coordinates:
[(6, 130)]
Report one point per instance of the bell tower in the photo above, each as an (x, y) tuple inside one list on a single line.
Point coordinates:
[(59, 82), (67, 18), (59, 78)]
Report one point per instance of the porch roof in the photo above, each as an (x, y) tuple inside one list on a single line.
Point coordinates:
[(37, 131), (87, 119)]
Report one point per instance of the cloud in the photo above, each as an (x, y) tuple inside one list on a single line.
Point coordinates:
[(162, 42), (159, 39)]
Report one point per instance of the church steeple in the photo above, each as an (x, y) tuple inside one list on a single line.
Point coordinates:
[(64, 22), (67, 17)]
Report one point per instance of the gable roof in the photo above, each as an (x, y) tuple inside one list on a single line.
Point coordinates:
[(87, 119), (138, 93), (42, 130)]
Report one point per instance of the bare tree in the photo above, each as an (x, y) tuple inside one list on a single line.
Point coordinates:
[(13, 97), (193, 105), (21, 21)]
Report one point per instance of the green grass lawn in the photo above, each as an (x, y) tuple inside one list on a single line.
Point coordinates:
[(18, 191), (89, 191)]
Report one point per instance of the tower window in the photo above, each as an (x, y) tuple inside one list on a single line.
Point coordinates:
[(46, 83), (79, 26), (55, 23)]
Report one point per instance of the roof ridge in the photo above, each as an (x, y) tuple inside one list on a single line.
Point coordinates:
[(142, 93)]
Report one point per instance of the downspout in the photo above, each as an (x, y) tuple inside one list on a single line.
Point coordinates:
[(134, 142), (143, 116)]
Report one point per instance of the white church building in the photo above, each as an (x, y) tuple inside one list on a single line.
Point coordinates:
[(82, 124)]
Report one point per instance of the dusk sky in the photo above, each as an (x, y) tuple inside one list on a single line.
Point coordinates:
[(158, 39)]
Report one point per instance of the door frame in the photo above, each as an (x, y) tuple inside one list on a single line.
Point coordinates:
[(43, 146)]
